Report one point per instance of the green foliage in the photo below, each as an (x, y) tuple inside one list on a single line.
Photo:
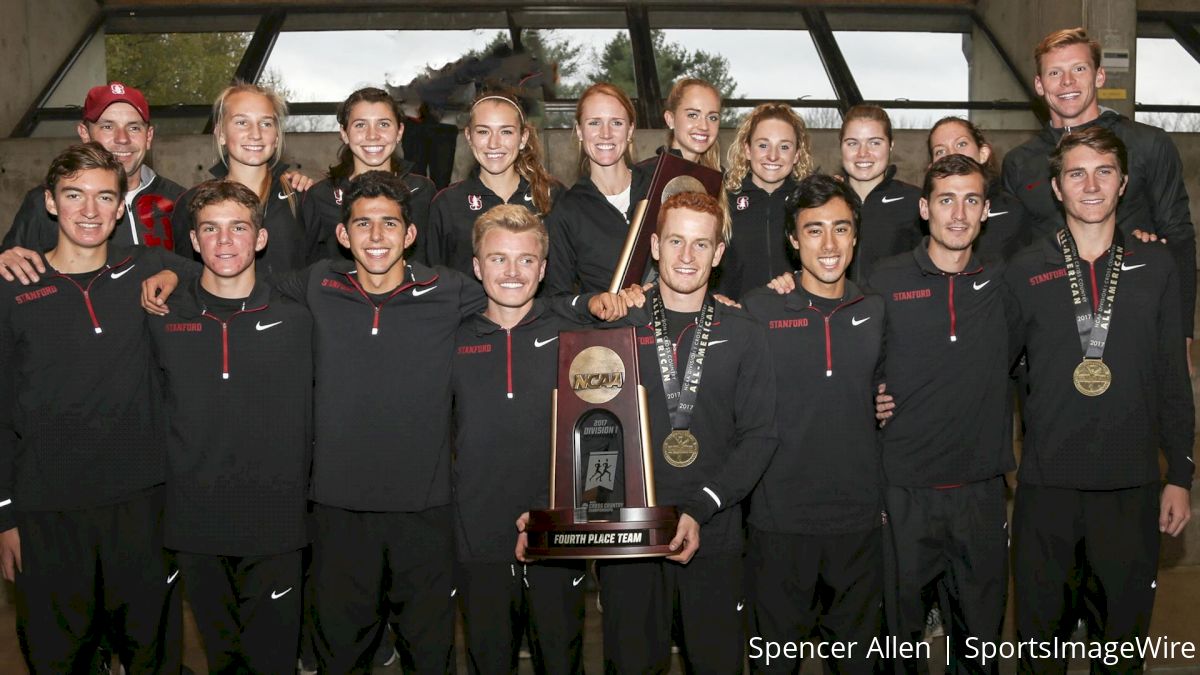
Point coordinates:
[(672, 60), (173, 68)]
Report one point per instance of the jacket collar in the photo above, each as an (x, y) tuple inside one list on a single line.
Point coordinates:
[(485, 326), (925, 263), (800, 299), (259, 296)]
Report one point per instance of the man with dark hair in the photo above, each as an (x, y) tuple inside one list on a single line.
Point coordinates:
[(1108, 387), (815, 565), (117, 117), (711, 390), (81, 463), (1155, 201), (238, 364), (945, 451)]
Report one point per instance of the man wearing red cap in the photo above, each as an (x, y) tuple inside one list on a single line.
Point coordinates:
[(117, 117)]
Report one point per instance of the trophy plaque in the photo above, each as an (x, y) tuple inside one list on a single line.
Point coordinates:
[(672, 175), (602, 502)]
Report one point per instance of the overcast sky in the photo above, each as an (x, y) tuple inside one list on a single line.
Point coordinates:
[(920, 66)]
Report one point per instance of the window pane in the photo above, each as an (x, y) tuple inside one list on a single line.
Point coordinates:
[(780, 64), (328, 66), (1166, 73), (174, 68), (912, 66), (919, 118)]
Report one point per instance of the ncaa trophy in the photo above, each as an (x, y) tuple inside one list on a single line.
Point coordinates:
[(602, 502)]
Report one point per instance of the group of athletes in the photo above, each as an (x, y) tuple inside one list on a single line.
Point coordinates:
[(330, 412)]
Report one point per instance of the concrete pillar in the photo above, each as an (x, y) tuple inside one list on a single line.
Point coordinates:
[(36, 37), (1114, 24)]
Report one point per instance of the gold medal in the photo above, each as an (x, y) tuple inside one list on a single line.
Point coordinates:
[(1092, 377), (681, 448)]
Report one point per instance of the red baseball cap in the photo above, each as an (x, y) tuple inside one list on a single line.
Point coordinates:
[(102, 96)]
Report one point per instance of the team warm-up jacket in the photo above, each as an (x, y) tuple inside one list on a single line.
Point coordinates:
[(81, 418), (382, 399), (238, 376), (947, 367), (1006, 230), (587, 234), (734, 422), (1112, 440), (758, 251), (287, 240), (828, 354), (503, 381), (889, 224), (149, 217), (322, 211), (453, 213), (1155, 199)]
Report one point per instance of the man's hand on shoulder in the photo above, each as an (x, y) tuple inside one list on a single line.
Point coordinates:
[(22, 265)]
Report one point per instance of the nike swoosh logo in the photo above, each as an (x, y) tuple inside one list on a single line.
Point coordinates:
[(276, 596), (118, 275), (543, 343), (889, 200), (978, 285), (574, 300), (855, 321), (993, 214), (714, 343), (260, 326), (576, 582), (418, 292), (281, 195), (1126, 268), (172, 577), (413, 191), (528, 197), (453, 592), (740, 606)]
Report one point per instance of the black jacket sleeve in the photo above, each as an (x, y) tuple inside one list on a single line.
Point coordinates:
[(560, 267), (755, 438), (434, 251), (1173, 220), (32, 227), (1176, 413), (8, 432)]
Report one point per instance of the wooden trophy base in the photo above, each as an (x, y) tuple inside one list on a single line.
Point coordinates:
[(635, 533)]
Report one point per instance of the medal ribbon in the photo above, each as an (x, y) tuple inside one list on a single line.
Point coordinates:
[(681, 396), (1093, 328)]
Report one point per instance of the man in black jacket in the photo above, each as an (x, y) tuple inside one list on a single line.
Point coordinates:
[(117, 117), (81, 439), (238, 364), (724, 414), (947, 447), (815, 565), (1155, 201), (1108, 387)]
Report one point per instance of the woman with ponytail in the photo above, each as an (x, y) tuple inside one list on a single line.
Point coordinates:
[(372, 127), (509, 170), (693, 117), (771, 152)]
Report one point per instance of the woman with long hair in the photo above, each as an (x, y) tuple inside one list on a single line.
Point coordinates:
[(1006, 229), (770, 153), (693, 117), (890, 220), (508, 170), (371, 128), (589, 223), (248, 132)]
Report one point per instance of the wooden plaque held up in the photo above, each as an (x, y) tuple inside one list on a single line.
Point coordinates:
[(672, 174), (602, 502)]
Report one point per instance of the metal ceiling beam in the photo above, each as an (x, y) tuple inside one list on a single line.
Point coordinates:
[(1186, 35), (645, 68), (254, 59), (28, 121), (982, 25), (832, 59)]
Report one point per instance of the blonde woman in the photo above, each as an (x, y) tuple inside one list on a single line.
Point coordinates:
[(771, 152), (248, 132)]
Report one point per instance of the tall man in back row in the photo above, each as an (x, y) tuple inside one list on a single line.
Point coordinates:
[(1108, 386), (1155, 201)]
